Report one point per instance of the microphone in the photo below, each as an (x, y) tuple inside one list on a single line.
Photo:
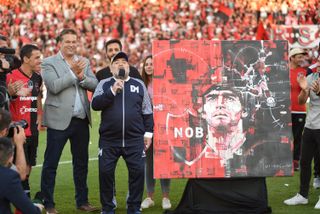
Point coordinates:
[(5, 50), (121, 73)]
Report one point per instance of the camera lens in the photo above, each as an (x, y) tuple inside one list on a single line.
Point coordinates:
[(22, 123)]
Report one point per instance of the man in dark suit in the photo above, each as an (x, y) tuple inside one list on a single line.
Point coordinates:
[(66, 113), (113, 46)]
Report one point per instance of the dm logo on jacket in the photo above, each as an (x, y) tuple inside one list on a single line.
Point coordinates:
[(134, 89)]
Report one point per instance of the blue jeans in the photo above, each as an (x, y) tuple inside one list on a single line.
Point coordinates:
[(78, 134)]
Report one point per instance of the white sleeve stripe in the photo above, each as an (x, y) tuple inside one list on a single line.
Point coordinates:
[(99, 90)]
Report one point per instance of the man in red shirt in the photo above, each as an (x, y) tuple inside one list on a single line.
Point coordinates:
[(297, 58), (26, 104)]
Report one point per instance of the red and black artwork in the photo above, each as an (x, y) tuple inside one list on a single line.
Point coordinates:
[(221, 109)]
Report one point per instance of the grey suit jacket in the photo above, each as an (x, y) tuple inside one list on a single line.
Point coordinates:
[(61, 91)]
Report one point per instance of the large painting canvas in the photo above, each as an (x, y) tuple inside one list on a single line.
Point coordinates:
[(221, 109)]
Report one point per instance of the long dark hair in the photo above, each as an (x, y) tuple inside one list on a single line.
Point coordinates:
[(145, 77)]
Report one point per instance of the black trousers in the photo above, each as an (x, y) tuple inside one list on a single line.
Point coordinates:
[(134, 157), (316, 167), (310, 145), (78, 134), (298, 121)]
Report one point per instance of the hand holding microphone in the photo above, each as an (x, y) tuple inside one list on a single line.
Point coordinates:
[(118, 85), (120, 77)]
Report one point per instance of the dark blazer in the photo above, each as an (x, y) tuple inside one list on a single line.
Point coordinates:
[(11, 191)]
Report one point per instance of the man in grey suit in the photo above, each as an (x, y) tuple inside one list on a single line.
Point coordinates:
[(67, 116)]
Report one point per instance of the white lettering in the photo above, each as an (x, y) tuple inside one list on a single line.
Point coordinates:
[(134, 88), (188, 132), (158, 107), (28, 98), (177, 132), (199, 132), (24, 110)]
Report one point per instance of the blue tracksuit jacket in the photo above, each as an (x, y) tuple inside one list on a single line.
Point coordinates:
[(125, 116)]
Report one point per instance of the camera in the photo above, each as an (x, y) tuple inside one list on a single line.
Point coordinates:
[(14, 61), (22, 123)]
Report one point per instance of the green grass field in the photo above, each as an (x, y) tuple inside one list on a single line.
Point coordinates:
[(279, 189)]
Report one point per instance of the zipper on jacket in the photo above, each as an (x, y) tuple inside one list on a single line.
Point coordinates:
[(123, 114)]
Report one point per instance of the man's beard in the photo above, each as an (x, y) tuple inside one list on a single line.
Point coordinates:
[(221, 128)]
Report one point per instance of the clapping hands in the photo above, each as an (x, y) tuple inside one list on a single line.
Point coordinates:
[(78, 64)]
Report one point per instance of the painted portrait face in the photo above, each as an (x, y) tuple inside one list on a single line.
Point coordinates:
[(222, 109)]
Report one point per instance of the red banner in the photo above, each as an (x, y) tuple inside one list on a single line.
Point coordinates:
[(303, 36)]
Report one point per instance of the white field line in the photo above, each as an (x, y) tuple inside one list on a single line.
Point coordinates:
[(65, 162)]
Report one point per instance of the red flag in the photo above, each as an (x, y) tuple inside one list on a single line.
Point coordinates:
[(270, 19), (262, 34), (226, 10)]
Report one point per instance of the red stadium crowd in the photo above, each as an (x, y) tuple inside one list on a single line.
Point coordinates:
[(33, 28), (138, 22)]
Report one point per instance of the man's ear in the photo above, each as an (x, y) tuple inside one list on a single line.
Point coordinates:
[(26, 59), (10, 160), (3, 132), (113, 69)]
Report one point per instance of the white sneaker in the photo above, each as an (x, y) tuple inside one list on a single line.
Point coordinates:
[(317, 206), (114, 201), (147, 203), (316, 183), (166, 204), (296, 200)]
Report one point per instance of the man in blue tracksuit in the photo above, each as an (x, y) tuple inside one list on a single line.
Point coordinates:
[(125, 130)]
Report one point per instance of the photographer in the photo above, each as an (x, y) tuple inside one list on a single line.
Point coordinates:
[(8, 62), (18, 140), (10, 187)]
